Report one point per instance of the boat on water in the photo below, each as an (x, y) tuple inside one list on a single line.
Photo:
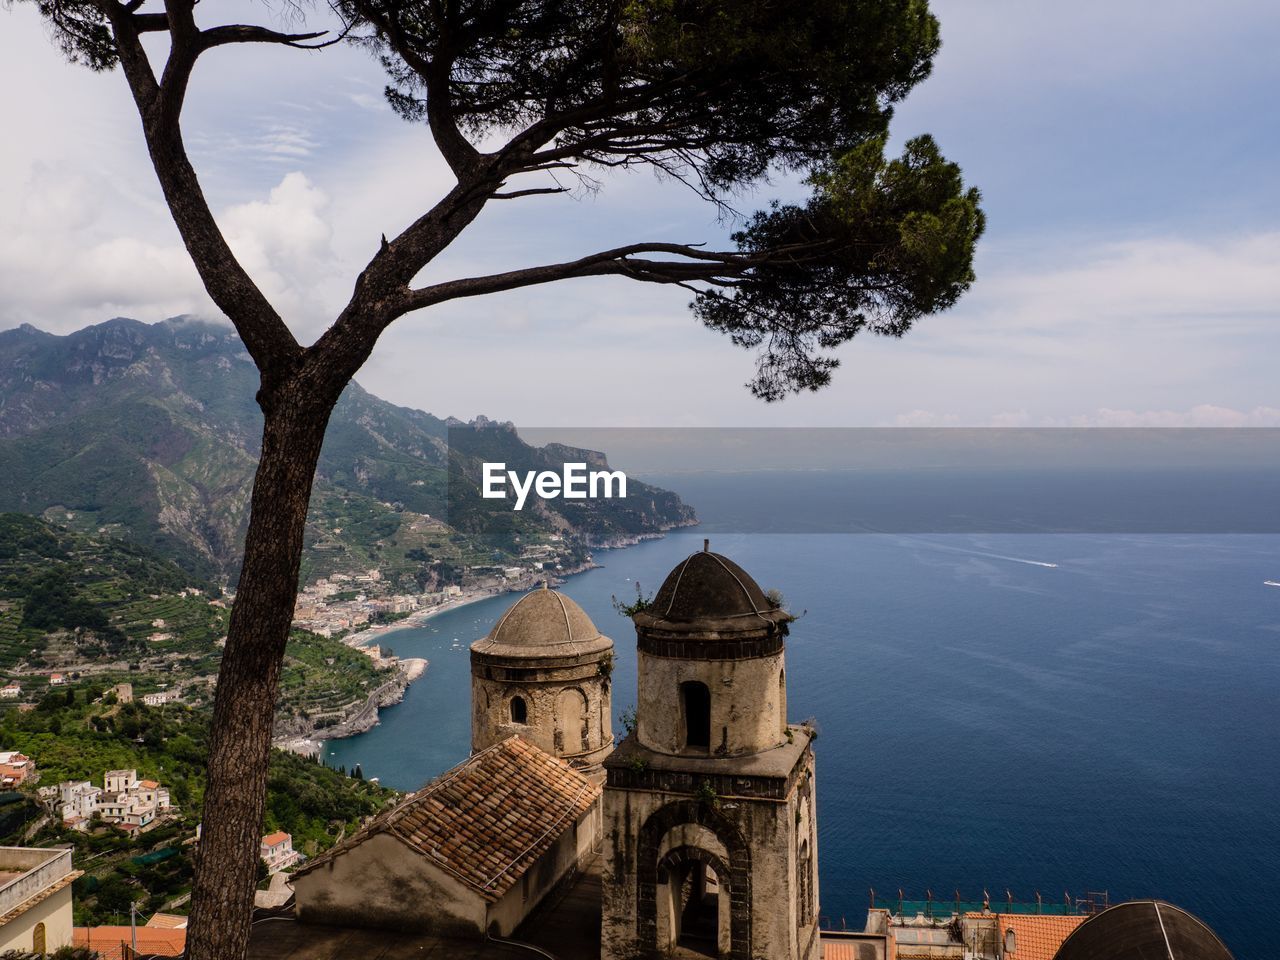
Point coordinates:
[(1271, 583)]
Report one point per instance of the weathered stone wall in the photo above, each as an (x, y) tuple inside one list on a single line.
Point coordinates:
[(567, 705), (752, 844), (381, 883), (748, 703)]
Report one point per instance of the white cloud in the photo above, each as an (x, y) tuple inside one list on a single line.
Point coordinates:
[(308, 168)]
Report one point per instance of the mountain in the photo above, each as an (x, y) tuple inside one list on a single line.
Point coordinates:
[(150, 432)]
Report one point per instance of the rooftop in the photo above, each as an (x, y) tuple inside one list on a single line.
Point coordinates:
[(489, 819), (30, 876), (543, 623), (113, 943), (710, 590), (1143, 928), (1036, 937)]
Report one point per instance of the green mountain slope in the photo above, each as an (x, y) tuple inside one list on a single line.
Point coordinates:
[(150, 432)]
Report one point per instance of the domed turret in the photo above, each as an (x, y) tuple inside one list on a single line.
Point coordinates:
[(543, 673), (711, 726), (712, 642)]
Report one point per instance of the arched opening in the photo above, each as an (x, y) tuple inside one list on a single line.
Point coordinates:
[(804, 870), (573, 728), (693, 896), (38, 942), (695, 699), (656, 924), (519, 710)]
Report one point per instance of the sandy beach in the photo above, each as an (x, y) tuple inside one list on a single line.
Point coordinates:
[(417, 618)]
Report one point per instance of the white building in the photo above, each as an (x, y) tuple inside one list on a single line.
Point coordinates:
[(126, 801), (35, 899), (160, 698), (277, 851), (77, 801), (10, 691), (118, 781)]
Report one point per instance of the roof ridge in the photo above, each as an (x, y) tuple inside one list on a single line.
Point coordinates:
[(738, 580)]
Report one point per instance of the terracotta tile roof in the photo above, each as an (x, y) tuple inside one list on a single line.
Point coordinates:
[(271, 839), (490, 818), (148, 784), (112, 943), (1035, 936), (167, 921)]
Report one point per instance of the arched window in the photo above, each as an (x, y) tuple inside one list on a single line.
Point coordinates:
[(804, 871), (519, 711), (696, 700), (38, 943)]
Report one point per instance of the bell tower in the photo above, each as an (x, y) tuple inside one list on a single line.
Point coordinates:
[(543, 673), (710, 826)]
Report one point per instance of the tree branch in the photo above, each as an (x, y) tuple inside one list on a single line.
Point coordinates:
[(159, 105), (531, 192), (247, 33), (699, 265)]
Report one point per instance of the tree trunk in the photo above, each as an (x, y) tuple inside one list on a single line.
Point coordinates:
[(244, 706)]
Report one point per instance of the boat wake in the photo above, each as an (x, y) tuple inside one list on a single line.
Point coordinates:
[(979, 553)]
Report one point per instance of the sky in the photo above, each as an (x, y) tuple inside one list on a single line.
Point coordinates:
[(1130, 274)]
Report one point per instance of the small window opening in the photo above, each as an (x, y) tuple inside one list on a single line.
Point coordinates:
[(696, 699), (519, 712)]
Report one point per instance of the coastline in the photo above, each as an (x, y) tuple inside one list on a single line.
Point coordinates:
[(418, 617), (413, 668), (308, 744)]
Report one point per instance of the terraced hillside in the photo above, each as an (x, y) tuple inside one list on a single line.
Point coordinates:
[(106, 611), (151, 433)]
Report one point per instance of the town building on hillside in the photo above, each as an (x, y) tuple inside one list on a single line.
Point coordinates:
[(10, 691), (77, 801), (161, 697), (118, 781), (125, 801), (57, 679), (15, 768), (123, 692), (277, 851), (35, 899), (471, 853)]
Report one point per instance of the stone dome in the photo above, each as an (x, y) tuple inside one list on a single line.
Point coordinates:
[(709, 588), (1143, 928), (543, 623)]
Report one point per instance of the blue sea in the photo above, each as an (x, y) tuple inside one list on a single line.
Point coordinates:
[(986, 721)]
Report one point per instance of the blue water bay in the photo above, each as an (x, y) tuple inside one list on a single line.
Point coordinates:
[(1036, 713)]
